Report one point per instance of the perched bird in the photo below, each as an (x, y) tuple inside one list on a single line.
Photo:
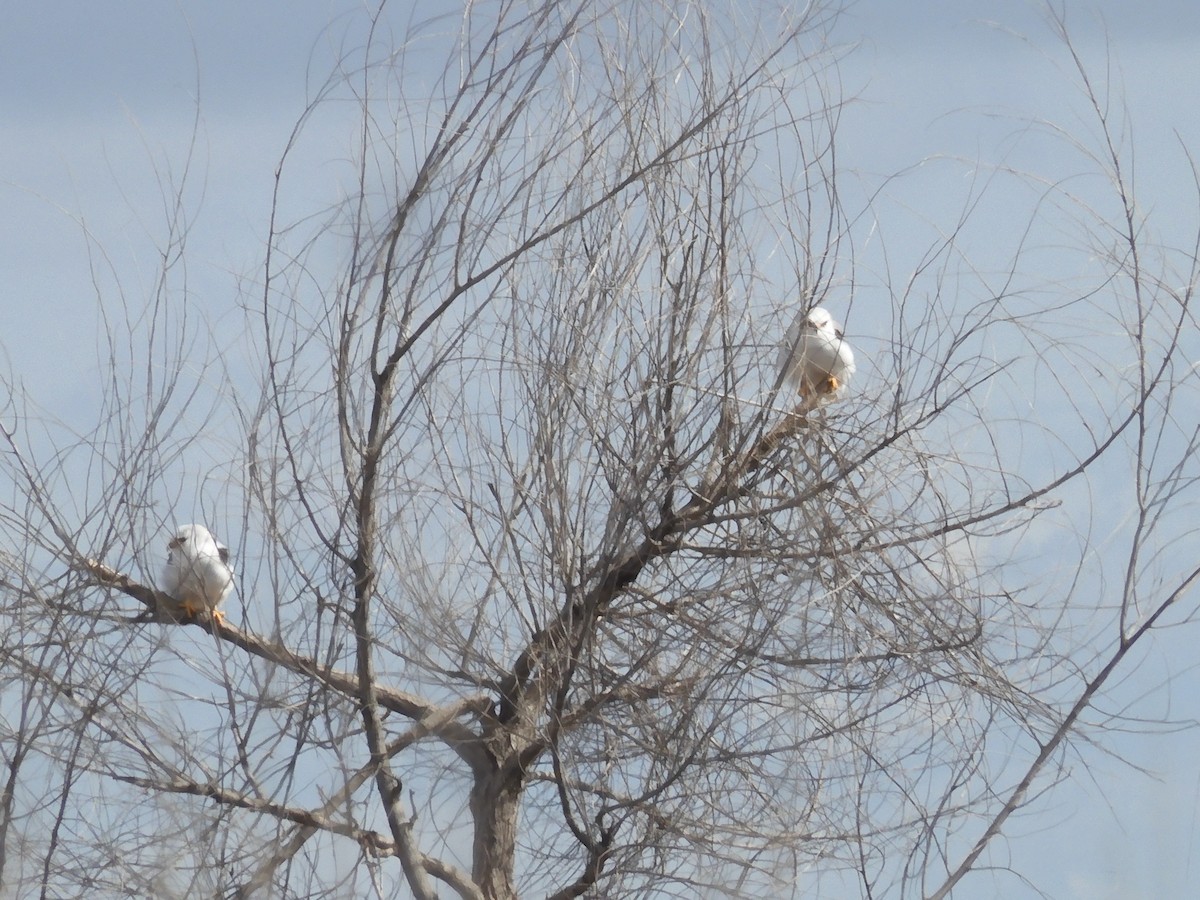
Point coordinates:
[(197, 574), (815, 358)]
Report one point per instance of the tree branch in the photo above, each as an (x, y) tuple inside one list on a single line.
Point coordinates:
[(430, 719)]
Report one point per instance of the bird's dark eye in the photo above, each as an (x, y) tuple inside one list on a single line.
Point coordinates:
[(223, 553)]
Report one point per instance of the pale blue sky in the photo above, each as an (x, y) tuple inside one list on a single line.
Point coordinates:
[(96, 108)]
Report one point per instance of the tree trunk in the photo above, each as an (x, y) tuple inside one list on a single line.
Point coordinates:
[(495, 800)]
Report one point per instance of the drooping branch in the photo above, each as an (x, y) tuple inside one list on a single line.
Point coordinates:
[(1064, 730)]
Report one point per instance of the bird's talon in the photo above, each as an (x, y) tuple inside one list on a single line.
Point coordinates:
[(816, 358)]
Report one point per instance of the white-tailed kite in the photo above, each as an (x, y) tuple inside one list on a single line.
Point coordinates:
[(197, 573), (815, 358)]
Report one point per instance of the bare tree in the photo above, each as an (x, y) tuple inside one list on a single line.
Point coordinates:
[(549, 588)]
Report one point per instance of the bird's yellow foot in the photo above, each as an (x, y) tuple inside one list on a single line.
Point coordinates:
[(218, 617), (831, 385), (189, 609)]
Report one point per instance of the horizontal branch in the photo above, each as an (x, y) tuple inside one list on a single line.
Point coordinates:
[(463, 885), (372, 842), (429, 719)]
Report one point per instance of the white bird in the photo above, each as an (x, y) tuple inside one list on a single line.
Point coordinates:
[(815, 358), (197, 574)]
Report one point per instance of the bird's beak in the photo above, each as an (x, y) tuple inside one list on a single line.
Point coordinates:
[(174, 545)]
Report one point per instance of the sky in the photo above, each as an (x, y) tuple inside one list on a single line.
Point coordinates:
[(926, 70), (97, 107)]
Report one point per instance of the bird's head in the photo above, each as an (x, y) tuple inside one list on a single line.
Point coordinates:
[(191, 536), (819, 319)]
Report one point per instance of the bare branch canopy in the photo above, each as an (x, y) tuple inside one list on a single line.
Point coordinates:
[(616, 503)]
